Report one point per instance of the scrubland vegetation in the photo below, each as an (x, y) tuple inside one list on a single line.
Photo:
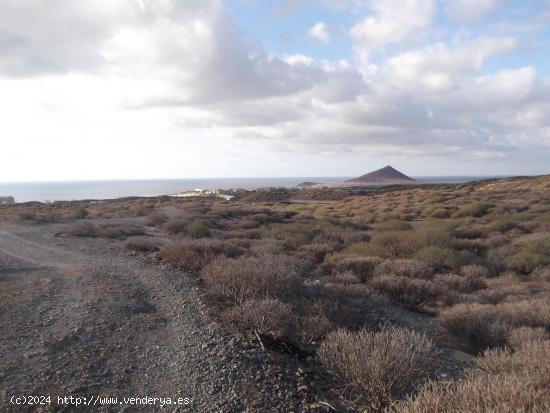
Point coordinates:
[(331, 280)]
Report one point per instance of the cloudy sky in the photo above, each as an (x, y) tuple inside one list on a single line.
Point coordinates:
[(118, 89)]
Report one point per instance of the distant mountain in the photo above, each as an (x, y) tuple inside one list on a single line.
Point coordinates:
[(307, 184), (384, 176)]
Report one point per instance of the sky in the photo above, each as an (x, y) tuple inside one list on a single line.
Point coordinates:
[(139, 89)]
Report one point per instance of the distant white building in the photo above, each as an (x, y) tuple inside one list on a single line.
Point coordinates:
[(5, 200)]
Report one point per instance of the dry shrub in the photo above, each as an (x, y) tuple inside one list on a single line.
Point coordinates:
[(378, 366), (267, 317), (314, 253), (403, 244), (198, 229), (141, 244), (311, 329), (394, 225), (504, 382), (81, 229), (488, 325), (529, 356), (440, 258), (362, 267), (176, 226), (118, 231), (268, 247), (193, 255), (460, 284), (525, 258), (243, 233), (155, 219), (345, 278), (246, 278), (522, 336), (413, 293), (405, 268), (441, 213), (353, 306), (502, 393), (475, 209), (474, 271), (471, 231), (78, 213)]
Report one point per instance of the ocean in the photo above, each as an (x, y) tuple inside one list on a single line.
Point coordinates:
[(77, 190)]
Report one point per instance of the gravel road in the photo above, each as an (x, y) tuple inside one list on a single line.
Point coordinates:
[(82, 317)]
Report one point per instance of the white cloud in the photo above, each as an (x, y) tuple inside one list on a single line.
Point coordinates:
[(177, 86), (320, 31), (391, 23), (464, 11)]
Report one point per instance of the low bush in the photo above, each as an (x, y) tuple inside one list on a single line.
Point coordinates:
[(353, 306), (503, 382), (413, 293), (82, 229), (456, 283), (362, 267), (193, 255), (118, 231), (155, 219), (441, 213), (378, 366), (267, 317), (394, 225), (198, 229), (176, 226), (440, 258), (403, 244), (405, 268), (314, 253), (140, 244), (474, 271), (475, 209), (522, 336), (246, 278), (78, 213), (489, 325)]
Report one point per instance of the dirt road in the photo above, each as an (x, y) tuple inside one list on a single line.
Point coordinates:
[(81, 317)]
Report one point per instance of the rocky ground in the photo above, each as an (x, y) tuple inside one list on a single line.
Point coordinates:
[(82, 317)]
